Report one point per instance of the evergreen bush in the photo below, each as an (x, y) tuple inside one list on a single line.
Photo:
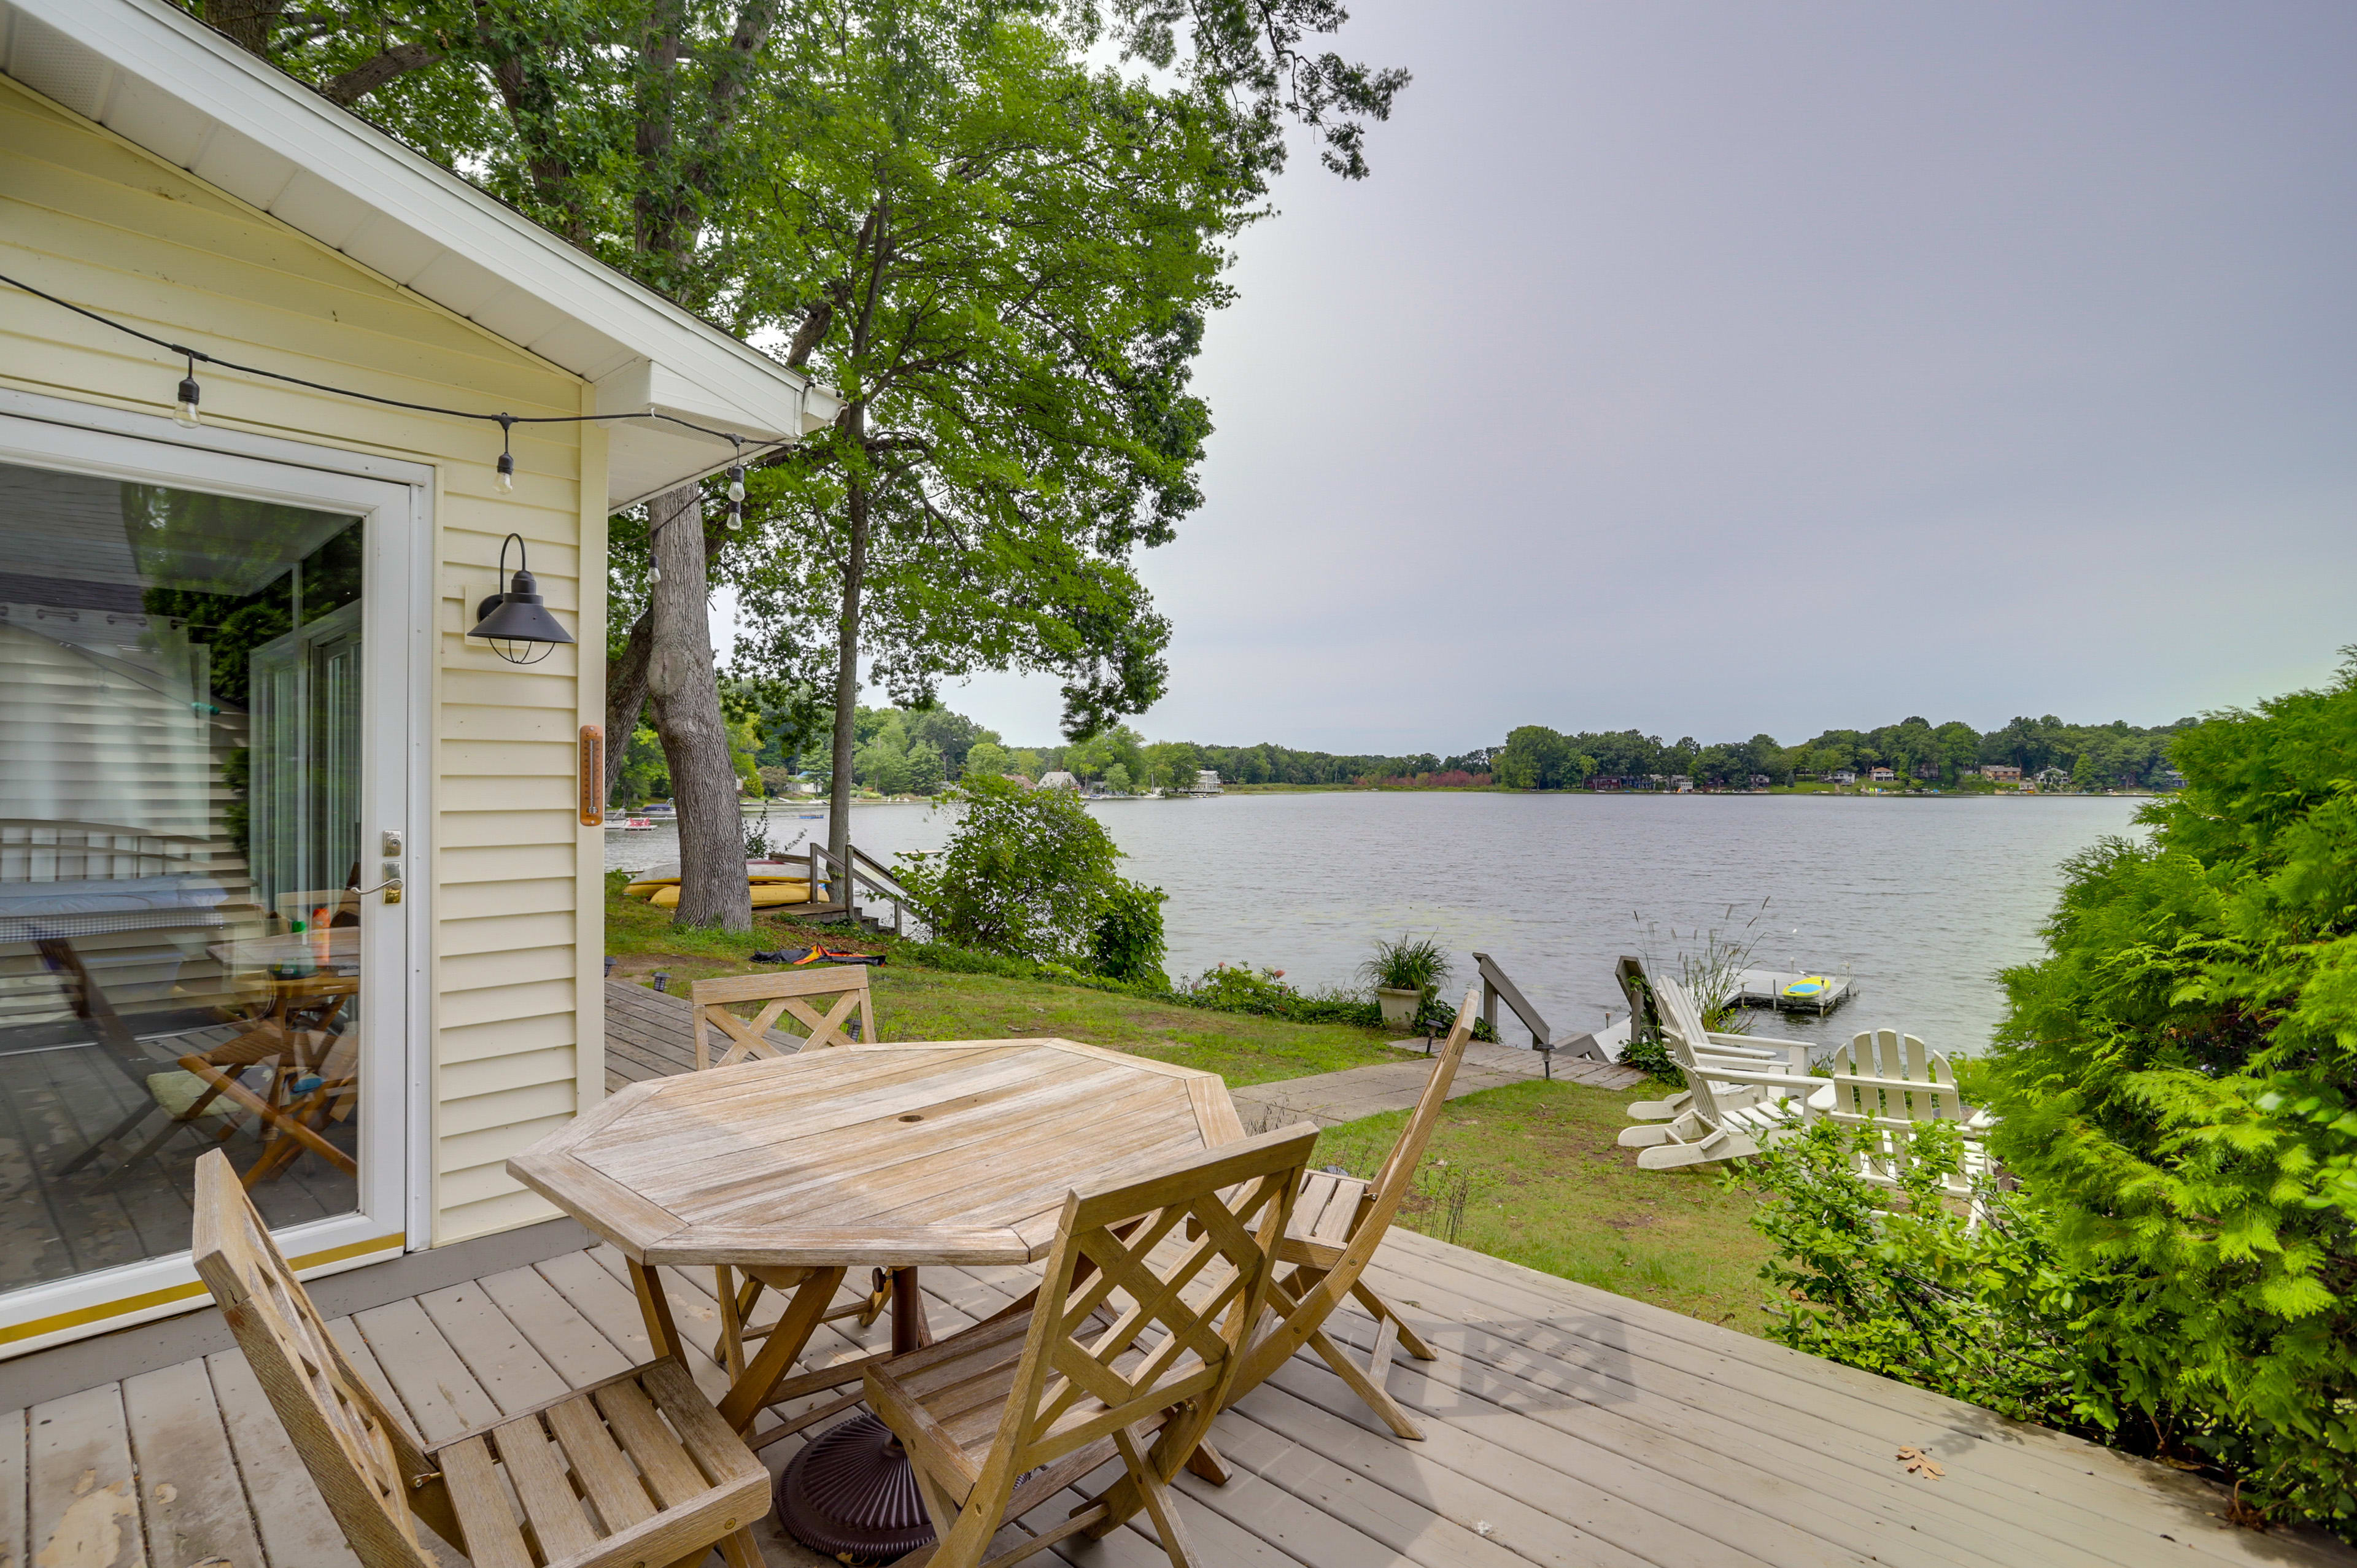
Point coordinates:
[(2179, 1083)]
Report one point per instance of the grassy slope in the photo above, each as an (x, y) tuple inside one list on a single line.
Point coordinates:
[(1550, 1187), (917, 1003), (1552, 1190)]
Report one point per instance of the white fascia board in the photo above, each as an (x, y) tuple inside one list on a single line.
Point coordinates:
[(250, 103)]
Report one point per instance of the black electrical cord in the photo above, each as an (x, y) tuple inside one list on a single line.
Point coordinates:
[(503, 420)]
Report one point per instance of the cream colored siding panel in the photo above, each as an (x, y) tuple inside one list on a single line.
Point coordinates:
[(508, 870), (483, 1041), (464, 1221), (505, 760), (548, 998), (471, 720), (477, 830), (490, 1144), (510, 933), (498, 900), (489, 971), (482, 1184), (508, 686), (495, 1090)]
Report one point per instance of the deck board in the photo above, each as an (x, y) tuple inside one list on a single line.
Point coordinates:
[(196, 1511), (1565, 1428)]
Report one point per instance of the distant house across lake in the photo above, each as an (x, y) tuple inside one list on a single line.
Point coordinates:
[(2003, 773), (1883, 776)]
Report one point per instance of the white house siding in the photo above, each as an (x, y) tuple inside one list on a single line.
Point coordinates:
[(514, 877)]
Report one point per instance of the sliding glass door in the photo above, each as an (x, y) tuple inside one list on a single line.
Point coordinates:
[(203, 730)]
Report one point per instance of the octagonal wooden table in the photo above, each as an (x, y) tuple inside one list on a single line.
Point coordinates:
[(798, 1168)]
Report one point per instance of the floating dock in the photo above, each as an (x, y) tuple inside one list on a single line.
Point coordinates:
[(1794, 991)]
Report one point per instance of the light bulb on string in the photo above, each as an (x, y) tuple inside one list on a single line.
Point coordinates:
[(185, 416), (505, 477)]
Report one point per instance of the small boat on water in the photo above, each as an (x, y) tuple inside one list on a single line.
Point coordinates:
[(631, 826)]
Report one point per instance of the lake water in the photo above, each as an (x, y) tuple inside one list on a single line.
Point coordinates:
[(1919, 901)]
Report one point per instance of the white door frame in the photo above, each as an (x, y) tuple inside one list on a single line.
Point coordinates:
[(396, 498)]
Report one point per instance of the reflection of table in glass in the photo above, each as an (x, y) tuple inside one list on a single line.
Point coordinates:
[(305, 985), (310, 983), (796, 1169)]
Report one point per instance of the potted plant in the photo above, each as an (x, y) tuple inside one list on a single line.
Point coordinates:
[(1405, 972)]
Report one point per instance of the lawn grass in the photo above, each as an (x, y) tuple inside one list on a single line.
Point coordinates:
[(1549, 1188), (914, 1003)]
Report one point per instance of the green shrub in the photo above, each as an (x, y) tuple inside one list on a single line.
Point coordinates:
[(1029, 874), (1646, 1052), (2178, 1080), (1239, 988), (1910, 1290), (1128, 944)]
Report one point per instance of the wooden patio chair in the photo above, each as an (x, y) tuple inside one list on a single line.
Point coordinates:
[(787, 993), (1889, 1082), (1728, 1111), (1744, 1053), (635, 1471), (1337, 1223), (1001, 1417)]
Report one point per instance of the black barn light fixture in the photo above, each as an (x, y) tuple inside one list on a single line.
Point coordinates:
[(516, 623)]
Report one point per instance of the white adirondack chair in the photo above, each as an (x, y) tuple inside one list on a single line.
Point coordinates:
[(1731, 1107), (1889, 1081)]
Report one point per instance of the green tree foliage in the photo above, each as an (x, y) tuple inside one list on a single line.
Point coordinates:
[(2116, 756), (1030, 874), (1095, 756), (2179, 1081), (989, 758), (1536, 757), (645, 775)]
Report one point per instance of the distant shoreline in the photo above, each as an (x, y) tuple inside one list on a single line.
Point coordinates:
[(1835, 793)]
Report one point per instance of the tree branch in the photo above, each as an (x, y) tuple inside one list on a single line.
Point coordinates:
[(368, 76)]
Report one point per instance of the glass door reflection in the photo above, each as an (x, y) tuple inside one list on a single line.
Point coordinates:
[(181, 849)]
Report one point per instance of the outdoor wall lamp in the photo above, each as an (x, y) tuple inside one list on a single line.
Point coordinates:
[(516, 623)]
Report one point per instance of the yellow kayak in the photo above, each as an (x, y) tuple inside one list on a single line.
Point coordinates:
[(766, 894), (650, 884)]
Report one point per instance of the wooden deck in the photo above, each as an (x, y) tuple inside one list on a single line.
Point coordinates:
[(1564, 1427)]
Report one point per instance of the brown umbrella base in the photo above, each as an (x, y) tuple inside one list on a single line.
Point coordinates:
[(852, 1493)]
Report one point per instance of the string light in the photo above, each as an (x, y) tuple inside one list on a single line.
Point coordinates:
[(185, 416), (505, 479), (190, 395)]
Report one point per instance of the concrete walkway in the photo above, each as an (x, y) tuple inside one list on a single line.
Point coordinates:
[(1330, 1098)]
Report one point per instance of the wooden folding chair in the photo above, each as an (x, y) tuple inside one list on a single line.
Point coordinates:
[(1337, 1223), (787, 993), (1003, 1416), (636, 1471), (784, 994)]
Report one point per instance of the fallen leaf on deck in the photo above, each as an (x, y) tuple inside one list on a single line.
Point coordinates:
[(1918, 1463)]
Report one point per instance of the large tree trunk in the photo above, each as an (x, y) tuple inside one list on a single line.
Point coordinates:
[(846, 683), (686, 698), (626, 696)]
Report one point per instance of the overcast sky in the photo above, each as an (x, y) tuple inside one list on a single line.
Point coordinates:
[(1720, 367)]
